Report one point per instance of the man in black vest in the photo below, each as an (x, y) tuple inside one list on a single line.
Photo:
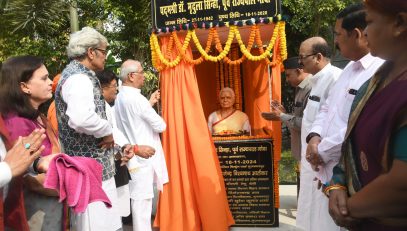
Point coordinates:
[(82, 123)]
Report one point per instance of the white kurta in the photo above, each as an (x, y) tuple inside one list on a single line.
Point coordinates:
[(313, 212), (77, 93), (5, 171), (123, 192), (118, 136), (332, 119), (141, 125)]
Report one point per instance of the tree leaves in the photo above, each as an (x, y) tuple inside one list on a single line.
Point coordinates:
[(307, 18), (36, 18)]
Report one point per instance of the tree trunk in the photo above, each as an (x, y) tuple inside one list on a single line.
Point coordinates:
[(73, 15)]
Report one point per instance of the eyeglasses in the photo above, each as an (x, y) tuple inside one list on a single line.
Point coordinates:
[(302, 57), (104, 52), (111, 86), (140, 73)]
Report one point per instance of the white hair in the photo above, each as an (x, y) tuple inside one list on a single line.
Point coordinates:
[(82, 40), (127, 67), (227, 89)]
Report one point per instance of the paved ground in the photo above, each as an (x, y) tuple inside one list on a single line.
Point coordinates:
[(287, 212)]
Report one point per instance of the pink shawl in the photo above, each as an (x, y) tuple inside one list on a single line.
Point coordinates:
[(78, 180)]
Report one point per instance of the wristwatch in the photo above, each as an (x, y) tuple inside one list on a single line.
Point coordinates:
[(309, 137), (35, 165)]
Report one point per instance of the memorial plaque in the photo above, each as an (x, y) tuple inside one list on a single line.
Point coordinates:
[(167, 13), (247, 167)]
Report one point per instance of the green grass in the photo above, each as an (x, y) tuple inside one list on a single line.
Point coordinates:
[(286, 169)]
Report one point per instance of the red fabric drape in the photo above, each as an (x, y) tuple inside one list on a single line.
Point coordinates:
[(195, 197), (256, 93), (276, 95), (206, 77), (276, 125)]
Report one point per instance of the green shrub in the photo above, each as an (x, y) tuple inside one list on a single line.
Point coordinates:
[(287, 168)]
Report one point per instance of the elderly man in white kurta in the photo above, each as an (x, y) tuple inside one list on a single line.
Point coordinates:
[(140, 123), (108, 82), (314, 56), (82, 123)]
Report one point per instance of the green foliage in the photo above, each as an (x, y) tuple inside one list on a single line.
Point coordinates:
[(307, 18), (287, 168), (54, 56), (112, 64), (130, 24), (150, 84), (130, 33), (41, 27), (35, 27), (37, 18)]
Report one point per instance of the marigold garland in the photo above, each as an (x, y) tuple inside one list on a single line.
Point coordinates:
[(169, 48), (182, 49), (283, 42), (260, 45), (154, 56), (249, 46), (266, 53), (221, 54), (160, 61), (157, 50), (261, 50)]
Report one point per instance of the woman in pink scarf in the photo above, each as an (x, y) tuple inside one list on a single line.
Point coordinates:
[(24, 88)]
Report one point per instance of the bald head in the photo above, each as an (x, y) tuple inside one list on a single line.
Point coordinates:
[(132, 74), (318, 45), (128, 67), (314, 54), (313, 40)]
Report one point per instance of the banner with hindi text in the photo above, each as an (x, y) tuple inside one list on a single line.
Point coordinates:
[(167, 13)]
